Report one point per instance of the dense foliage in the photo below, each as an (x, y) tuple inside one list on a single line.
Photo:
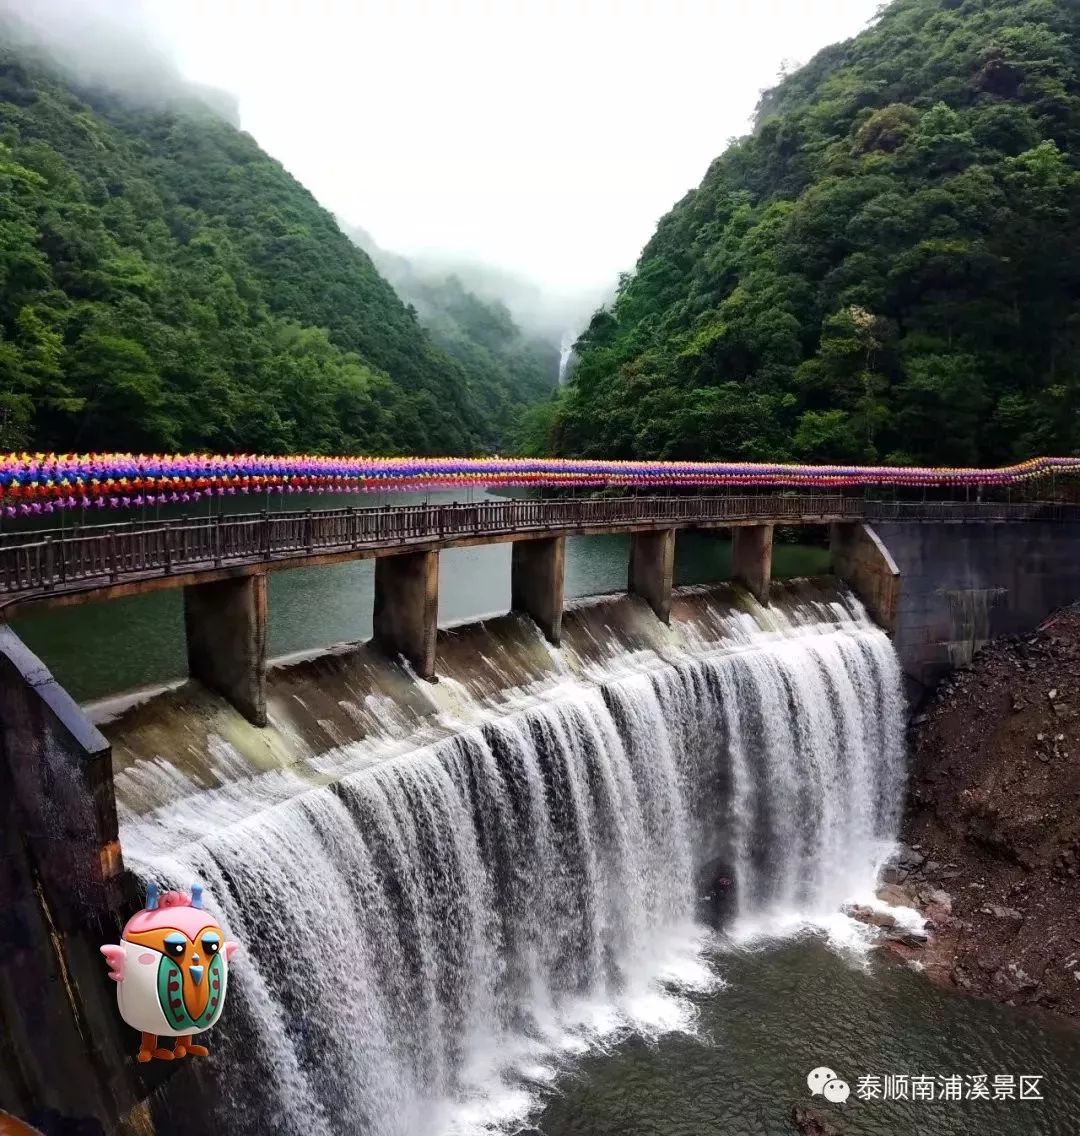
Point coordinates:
[(509, 367), (166, 285), (888, 269)]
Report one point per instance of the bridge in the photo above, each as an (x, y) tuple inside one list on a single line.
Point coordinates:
[(221, 562)]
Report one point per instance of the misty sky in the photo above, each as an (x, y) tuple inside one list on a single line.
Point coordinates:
[(546, 136)]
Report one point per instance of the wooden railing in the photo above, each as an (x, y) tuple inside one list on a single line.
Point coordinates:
[(100, 555)]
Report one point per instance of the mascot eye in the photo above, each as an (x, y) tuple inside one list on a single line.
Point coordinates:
[(175, 945), (211, 945)]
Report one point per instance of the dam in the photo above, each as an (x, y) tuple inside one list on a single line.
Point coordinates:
[(447, 890), (465, 906)]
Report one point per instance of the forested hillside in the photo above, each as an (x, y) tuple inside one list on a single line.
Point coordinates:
[(888, 269), (164, 284), (511, 367)]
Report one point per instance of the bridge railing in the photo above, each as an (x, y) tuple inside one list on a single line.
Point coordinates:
[(58, 558), (69, 559)]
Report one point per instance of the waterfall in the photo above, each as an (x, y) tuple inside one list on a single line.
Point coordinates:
[(566, 352), (428, 936)]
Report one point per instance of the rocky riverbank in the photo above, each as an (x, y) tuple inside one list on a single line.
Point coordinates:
[(992, 831)]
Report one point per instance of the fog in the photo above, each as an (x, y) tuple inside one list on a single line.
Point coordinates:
[(549, 312), (537, 141), (111, 44)]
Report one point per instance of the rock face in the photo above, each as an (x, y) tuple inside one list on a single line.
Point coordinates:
[(992, 830)]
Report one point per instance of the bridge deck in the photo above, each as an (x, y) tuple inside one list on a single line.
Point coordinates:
[(65, 566)]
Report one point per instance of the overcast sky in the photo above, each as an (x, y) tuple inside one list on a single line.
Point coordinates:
[(545, 136)]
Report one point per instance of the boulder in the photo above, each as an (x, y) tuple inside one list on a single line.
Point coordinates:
[(1013, 980), (935, 897), (1010, 914), (894, 896), (914, 940), (869, 916), (907, 857)]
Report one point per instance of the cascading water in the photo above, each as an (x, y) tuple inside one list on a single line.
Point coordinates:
[(427, 934), (566, 352)]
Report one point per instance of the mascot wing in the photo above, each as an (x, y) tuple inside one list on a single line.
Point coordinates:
[(114, 956)]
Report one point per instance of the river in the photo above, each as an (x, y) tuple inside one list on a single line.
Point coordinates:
[(791, 1007)]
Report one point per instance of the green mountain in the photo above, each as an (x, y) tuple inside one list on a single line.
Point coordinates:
[(164, 284), (887, 269), (511, 369)]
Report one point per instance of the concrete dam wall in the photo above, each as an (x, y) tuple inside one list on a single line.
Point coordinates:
[(963, 584)]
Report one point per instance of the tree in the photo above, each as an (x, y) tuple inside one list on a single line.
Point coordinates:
[(117, 392), (164, 283), (886, 269)]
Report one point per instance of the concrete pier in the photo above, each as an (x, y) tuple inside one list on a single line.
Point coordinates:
[(861, 560), (537, 576), (652, 569), (406, 615), (225, 622), (751, 558)]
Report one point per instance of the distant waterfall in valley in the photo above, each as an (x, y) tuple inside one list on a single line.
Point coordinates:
[(566, 352), (428, 937)]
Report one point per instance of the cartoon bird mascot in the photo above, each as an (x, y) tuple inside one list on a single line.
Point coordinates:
[(170, 971)]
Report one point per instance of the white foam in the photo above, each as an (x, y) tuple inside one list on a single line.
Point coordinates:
[(462, 917)]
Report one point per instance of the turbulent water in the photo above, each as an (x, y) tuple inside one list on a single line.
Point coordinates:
[(428, 937)]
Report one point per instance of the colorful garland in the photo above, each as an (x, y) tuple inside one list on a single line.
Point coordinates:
[(41, 483)]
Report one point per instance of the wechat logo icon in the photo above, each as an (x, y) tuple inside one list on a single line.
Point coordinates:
[(824, 1082)]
